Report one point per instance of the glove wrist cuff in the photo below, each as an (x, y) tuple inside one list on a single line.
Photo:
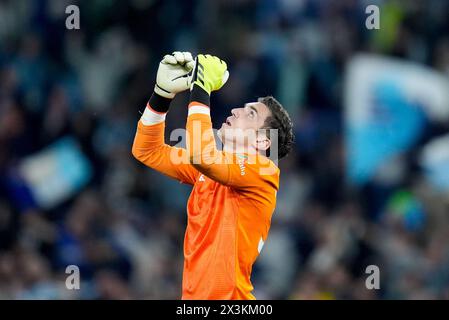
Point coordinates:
[(200, 95)]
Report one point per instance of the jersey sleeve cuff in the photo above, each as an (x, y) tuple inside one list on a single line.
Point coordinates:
[(198, 108), (151, 116)]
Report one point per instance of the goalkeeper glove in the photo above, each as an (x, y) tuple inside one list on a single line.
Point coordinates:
[(210, 73), (173, 74)]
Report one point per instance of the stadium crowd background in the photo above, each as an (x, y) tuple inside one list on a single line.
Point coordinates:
[(125, 228)]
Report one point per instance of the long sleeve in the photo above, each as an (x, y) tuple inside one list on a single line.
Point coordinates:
[(150, 148), (242, 171)]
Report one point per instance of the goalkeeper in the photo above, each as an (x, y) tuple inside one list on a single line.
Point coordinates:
[(234, 190)]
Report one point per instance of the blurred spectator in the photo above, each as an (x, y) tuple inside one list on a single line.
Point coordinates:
[(125, 228)]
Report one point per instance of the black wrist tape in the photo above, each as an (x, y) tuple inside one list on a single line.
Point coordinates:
[(158, 103)]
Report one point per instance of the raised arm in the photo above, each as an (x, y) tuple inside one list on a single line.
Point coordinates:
[(235, 170), (149, 145)]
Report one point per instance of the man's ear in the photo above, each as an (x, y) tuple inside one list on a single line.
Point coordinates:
[(262, 143)]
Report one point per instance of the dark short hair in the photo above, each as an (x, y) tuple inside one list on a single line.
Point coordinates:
[(280, 120)]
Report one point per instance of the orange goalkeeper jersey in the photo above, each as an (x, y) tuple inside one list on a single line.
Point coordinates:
[(229, 210)]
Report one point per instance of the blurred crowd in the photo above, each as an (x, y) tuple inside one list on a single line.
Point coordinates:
[(125, 228)]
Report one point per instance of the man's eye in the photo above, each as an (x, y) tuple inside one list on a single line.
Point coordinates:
[(252, 114)]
